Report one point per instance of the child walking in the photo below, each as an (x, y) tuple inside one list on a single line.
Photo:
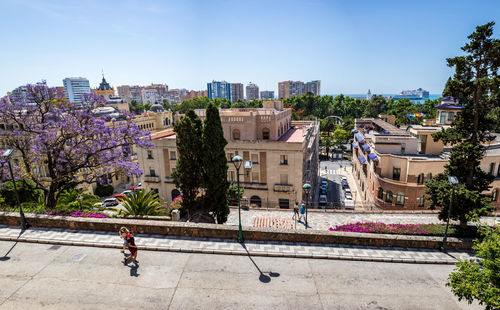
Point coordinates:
[(123, 234), (131, 247)]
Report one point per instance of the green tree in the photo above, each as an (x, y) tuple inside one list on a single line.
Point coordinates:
[(480, 281), (215, 166), (75, 198), (341, 136), (188, 173), (477, 85), (327, 143), (141, 203)]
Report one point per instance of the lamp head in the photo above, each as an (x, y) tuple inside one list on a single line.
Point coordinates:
[(7, 153), (306, 187), (453, 180), (237, 160)]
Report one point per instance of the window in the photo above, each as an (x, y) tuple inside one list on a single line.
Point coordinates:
[(494, 195), (150, 154), (403, 148), (284, 178), (498, 171), (231, 175), (255, 158), (255, 177), (265, 134), (380, 194), (400, 199), (429, 177), (173, 155), (421, 201), (443, 117), (396, 173), (283, 159), (230, 156), (388, 197), (420, 179), (492, 168), (450, 116), (236, 134), (152, 172)]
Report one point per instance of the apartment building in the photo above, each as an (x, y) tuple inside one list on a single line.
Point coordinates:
[(313, 87), (280, 155), (267, 94), (236, 91), (219, 89), (75, 88), (391, 165), (195, 94), (252, 91)]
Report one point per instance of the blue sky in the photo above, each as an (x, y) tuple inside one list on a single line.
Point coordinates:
[(351, 46)]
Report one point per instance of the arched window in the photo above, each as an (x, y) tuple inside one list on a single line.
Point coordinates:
[(255, 201), (265, 134), (421, 201), (388, 196), (380, 194), (236, 134), (175, 193), (494, 195), (429, 177), (400, 199), (420, 179)]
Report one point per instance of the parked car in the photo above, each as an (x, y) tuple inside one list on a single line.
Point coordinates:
[(345, 184), (120, 196), (344, 179), (110, 202), (348, 196), (323, 200), (324, 182), (127, 193), (97, 206), (323, 191), (137, 187), (347, 190)]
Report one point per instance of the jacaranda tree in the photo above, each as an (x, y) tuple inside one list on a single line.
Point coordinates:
[(60, 145)]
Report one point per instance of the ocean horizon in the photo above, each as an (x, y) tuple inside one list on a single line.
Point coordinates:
[(431, 96)]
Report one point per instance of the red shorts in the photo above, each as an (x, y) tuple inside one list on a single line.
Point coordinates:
[(132, 250)]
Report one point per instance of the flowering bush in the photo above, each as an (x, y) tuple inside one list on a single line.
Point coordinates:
[(78, 214), (381, 228)]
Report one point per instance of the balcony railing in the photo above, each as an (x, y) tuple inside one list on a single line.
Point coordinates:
[(152, 178), (284, 188)]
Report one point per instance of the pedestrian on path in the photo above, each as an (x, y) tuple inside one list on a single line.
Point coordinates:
[(132, 248), (123, 234), (295, 211), (302, 211)]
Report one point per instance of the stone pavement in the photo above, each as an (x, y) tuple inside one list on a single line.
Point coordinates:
[(231, 247), (319, 220)]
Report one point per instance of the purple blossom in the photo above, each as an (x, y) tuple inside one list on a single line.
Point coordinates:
[(400, 229)]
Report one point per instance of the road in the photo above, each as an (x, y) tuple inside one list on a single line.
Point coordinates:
[(34, 276), (333, 173)]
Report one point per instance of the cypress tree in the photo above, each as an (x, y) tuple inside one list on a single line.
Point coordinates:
[(477, 85), (215, 166)]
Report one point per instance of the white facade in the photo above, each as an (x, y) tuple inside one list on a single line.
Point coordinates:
[(75, 88)]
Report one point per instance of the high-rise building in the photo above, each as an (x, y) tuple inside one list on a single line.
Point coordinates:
[(288, 89), (150, 95), (252, 91), (267, 94), (236, 91), (313, 87), (75, 88), (219, 89)]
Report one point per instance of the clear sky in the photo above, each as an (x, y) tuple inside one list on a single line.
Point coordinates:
[(351, 46)]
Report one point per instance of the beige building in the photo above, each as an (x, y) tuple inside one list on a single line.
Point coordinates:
[(391, 165), (280, 155)]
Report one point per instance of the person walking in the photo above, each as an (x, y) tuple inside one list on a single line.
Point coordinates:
[(132, 248), (295, 211), (123, 234), (302, 211)]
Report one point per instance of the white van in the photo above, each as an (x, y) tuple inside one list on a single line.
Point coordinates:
[(349, 204)]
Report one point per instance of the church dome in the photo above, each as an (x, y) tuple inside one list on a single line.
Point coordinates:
[(104, 85), (157, 108)]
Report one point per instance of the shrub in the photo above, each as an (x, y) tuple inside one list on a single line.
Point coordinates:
[(104, 190)]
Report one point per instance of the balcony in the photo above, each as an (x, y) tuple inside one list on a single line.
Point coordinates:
[(283, 188), (151, 179)]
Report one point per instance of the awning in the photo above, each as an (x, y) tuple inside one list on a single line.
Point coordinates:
[(372, 156), (355, 145), (359, 138), (366, 147), (362, 159), (354, 130)]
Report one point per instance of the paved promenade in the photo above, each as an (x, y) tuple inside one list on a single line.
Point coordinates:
[(230, 247), (324, 220)]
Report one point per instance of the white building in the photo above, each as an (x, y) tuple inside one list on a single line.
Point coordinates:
[(149, 95), (75, 88)]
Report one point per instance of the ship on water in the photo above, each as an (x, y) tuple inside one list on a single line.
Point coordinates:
[(414, 94)]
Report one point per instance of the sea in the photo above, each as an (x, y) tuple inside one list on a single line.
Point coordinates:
[(363, 96)]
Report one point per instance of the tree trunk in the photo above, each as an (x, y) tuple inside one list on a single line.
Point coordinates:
[(50, 197), (463, 224)]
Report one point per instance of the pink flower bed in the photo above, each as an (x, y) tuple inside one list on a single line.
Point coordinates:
[(381, 228), (78, 214)]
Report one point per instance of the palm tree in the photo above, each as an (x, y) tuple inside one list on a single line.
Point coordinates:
[(141, 203), (77, 198)]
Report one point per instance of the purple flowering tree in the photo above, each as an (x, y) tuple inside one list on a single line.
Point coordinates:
[(60, 145)]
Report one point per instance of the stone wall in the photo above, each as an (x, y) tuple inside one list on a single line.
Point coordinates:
[(147, 226)]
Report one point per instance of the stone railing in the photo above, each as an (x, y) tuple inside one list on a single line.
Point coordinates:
[(194, 230), (151, 179), (285, 188)]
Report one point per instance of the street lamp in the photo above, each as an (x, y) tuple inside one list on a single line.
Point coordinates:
[(306, 187), (453, 181), (237, 160), (7, 155)]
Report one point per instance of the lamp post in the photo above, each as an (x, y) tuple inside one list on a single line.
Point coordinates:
[(7, 155), (453, 181), (306, 187), (237, 160)]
